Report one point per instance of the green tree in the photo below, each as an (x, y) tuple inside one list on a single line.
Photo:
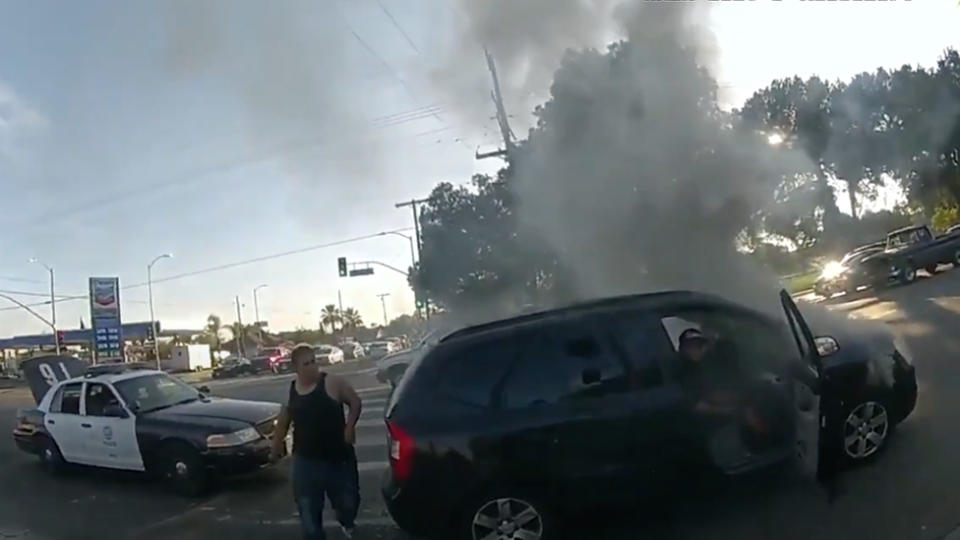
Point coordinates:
[(212, 331), (330, 317), (350, 318)]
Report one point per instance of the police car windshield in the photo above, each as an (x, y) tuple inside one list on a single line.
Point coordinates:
[(152, 392)]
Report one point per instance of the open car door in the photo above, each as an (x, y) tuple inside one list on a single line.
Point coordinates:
[(42, 372), (807, 384)]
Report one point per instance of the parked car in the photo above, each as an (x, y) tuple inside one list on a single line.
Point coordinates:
[(234, 366), (910, 249), (390, 368), (503, 427), (379, 349), (327, 354), (848, 274), (352, 350)]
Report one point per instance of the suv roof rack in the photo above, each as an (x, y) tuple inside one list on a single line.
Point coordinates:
[(116, 369)]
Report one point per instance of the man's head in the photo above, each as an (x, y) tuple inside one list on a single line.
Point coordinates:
[(693, 344), (304, 361)]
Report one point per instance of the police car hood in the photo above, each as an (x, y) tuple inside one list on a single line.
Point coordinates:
[(251, 412)]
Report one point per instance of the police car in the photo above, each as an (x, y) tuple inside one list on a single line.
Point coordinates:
[(130, 417)]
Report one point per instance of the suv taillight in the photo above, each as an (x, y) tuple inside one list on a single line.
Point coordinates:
[(401, 451)]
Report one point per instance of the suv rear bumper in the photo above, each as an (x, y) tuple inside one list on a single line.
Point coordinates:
[(417, 515)]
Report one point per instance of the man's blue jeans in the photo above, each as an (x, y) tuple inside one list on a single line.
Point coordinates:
[(316, 480)]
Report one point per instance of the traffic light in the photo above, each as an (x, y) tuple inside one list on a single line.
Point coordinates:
[(150, 333), (60, 342), (342, 266)]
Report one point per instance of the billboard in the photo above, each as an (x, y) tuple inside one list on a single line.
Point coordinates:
[(105, 318)]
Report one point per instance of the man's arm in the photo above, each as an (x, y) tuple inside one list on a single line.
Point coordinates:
[(349, 397), (280, 433)]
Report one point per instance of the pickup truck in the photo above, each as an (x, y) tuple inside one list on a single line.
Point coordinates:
[(910, 249)]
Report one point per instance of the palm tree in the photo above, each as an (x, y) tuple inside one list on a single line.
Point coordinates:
[(351, 318), (213, 330), (330, 316)]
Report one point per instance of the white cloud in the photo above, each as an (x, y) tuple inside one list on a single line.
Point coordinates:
[(17, 121)]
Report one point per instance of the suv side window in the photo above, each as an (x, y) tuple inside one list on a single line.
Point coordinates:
[(471, 371), (98, 397), (566, 363), (70, 398), (640, 342)]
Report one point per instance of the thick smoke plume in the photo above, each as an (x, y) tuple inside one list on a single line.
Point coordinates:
[(632, 175)]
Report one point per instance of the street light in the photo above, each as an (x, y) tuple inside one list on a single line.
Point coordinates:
[(153, 319), (256, 310), (53, 302), (413, 261), (383, 303)]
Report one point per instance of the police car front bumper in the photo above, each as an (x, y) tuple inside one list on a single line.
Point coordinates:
[(239, 459), (26, 442)]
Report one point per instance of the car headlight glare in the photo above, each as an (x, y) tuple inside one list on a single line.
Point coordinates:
[(236, 438)]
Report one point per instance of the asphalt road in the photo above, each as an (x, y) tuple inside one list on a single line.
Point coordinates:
[(911, 492)]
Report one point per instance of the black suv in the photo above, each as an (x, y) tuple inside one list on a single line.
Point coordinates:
[(501, 428)]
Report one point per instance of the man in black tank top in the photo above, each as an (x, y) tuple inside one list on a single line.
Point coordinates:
[(324, 462)]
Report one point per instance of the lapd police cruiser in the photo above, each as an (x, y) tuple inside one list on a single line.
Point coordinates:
[(130, 417)]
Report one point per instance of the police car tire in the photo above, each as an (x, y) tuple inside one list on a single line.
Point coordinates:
[(50, 457), (184, 470)]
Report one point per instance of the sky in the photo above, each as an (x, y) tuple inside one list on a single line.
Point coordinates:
[(227, 130)]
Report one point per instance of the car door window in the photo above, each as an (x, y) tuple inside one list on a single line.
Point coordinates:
[(55, 401), (70, 398), (634, 337), (98, 397), (569, 363)]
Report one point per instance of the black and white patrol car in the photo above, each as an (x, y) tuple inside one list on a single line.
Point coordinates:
[(133, 418)]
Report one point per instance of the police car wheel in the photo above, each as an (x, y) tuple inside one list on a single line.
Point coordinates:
[(185, 471), (50, 457)]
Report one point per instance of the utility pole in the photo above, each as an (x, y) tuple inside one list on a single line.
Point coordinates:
[(340, 301), (501, 115), (383, 303), (239, 336), (419, 241)]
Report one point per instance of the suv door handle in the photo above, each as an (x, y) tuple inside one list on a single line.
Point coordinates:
[(85, 425), (50, 421)]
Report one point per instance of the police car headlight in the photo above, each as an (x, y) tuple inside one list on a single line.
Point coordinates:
[(221, 440)]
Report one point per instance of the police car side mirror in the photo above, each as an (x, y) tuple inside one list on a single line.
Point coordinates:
[(114, 411), (204, 389), (826, 346)]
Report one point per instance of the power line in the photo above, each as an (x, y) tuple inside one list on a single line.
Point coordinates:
[(396, 25), (21, 280), (227, 266)]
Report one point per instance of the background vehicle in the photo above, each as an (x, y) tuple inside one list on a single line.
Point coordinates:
[(849, 274), (499, 413), (327, 354), (275, 359), (379, 349), (352, 350), (910, 249), (188, 358), (129, 418), (234, 366), (390, 368)]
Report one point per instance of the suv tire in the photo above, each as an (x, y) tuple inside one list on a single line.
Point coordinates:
[(505, 511)]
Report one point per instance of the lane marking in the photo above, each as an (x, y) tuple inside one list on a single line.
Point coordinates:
[(372, 389), (371, 423), (373, 466)]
